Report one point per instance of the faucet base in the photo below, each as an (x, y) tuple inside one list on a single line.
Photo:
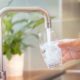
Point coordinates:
[(2, 75)]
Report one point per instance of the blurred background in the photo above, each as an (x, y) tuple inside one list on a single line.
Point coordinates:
[(66, 24)]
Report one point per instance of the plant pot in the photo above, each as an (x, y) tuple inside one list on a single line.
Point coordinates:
[(15, 66)]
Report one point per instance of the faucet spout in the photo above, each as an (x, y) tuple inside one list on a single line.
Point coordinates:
[(20, 9), (29, 10)]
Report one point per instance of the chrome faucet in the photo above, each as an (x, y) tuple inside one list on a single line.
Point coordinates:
[(19, 9)]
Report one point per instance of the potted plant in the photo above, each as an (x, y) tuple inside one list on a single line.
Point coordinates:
[(13, 42)]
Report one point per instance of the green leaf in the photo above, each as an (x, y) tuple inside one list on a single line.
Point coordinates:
[(34, 35), (24, 45), (20, 21), (8, 24), (38, 23), (9, 55), (11, 15), (19, 34), (28, 25)]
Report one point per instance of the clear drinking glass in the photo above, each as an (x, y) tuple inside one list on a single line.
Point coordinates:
[(49, 49)]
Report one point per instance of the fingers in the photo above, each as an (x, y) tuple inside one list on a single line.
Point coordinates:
[(70, 50)]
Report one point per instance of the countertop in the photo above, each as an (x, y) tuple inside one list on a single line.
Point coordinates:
[(73, 73)]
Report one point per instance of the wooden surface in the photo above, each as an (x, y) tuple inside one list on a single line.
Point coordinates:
[(38, 75), (71, 74)]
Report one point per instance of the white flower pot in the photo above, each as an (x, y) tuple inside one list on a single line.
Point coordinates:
[(15, 66)]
